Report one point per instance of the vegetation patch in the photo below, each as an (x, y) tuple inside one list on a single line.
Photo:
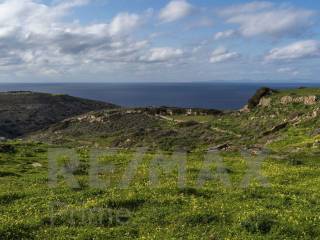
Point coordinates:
[(261, 224), (8, 174), (130, 204), (18, 231), (7, 148), (205, 218), (11, 197)]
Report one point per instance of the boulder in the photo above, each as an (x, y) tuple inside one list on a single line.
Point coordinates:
[(265, 102), (222, 147), (245, 109), (276, 129)]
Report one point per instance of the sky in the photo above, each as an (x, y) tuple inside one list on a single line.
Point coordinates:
[(159, 41)]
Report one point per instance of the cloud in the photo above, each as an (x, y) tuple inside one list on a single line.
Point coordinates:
[(35, 35), (288, 70), (175, 10), (297, 50), (223, 55), (124, 23), (225, 34), (264, 18), (252, 7), (201, 23), (162, 54)]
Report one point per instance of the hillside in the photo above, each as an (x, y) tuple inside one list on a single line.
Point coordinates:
[(280, 130), (273, 116), (126, 128), (26, 112)]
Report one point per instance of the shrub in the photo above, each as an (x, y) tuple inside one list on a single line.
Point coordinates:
[(8, 174), (18, 231), (205, 218), (10, 197), (7, 148), (259, 224)]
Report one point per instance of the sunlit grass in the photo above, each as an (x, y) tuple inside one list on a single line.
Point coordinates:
[(287, 209)]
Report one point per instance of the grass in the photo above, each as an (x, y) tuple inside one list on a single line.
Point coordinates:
[(287, 209)]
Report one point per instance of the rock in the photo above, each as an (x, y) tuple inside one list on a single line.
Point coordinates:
[(189, 112), (245, 109), (276, 129), (316, 144), (262, 92), (36, 165), (316, 132), (315, 113), (311, 100), (264, 102), (222, 147), (286, 100), (307, 100)]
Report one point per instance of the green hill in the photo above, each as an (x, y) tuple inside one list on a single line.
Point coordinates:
[(262, 183), (26, 112), (273, 115)]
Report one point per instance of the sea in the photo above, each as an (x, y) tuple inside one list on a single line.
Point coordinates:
[(223, 96)]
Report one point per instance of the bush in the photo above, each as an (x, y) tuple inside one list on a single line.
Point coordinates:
[(18, 231), (205, 218), (7, 148), (10, 197), (259, 224), (8, 174), (188, 123)]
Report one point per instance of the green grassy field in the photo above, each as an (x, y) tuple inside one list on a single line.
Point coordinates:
[(288, 208)]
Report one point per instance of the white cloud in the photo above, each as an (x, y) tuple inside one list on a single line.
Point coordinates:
[(265, 18), (124, 23), (252, 7), (288, 70), (284, 70), (35, 35), (222, 55), (297, 50), (175, 10), (162, 54), (225, 34)]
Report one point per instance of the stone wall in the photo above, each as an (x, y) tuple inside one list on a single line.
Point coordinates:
[(307, 100)]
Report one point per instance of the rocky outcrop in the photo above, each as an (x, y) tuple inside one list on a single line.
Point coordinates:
[(264, 102), (262, 92), (276, 129), (245, 109), (307, 100)]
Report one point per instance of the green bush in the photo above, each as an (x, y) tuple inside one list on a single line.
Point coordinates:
[(7, 148), (259, 224)]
